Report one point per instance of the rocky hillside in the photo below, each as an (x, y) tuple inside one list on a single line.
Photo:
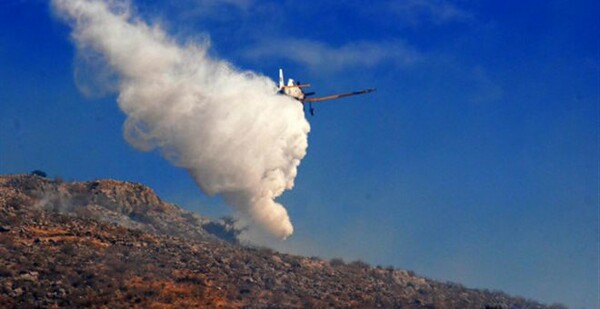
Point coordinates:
[(127, 204), (116, 244)]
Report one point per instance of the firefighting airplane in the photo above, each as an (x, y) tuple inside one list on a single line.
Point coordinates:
[(294, 89)]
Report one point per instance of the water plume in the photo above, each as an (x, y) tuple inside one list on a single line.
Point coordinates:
[(228, 128)]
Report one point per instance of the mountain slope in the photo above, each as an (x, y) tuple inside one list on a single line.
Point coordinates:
[(116, 244)]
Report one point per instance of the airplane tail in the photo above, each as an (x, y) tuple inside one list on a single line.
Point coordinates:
[(281, 84)]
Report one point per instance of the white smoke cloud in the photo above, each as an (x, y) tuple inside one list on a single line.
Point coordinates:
[(228, 128)]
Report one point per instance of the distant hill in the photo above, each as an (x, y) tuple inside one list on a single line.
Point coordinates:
[(116, 244)]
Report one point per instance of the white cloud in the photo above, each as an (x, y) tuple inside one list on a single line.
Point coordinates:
[(212, 9), (238, 4), (315, 54), (438, 12)]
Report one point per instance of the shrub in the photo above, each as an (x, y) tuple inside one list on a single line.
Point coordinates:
[(359, 264), (225, 229), (39, 173), (337, 262)]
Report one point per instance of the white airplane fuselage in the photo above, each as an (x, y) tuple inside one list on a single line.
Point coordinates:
[(292, 89), (295, 92)]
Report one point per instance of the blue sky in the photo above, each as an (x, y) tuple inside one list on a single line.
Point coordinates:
[(476, 160)]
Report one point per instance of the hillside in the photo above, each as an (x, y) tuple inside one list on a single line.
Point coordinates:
[(116, 244)]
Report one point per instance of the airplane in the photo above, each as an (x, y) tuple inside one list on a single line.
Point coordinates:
[(294, 89)]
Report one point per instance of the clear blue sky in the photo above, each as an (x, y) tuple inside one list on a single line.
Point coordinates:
[(476, 160)]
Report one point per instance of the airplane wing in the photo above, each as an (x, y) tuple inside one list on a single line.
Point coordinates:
[(337, 96), (296, 86)]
